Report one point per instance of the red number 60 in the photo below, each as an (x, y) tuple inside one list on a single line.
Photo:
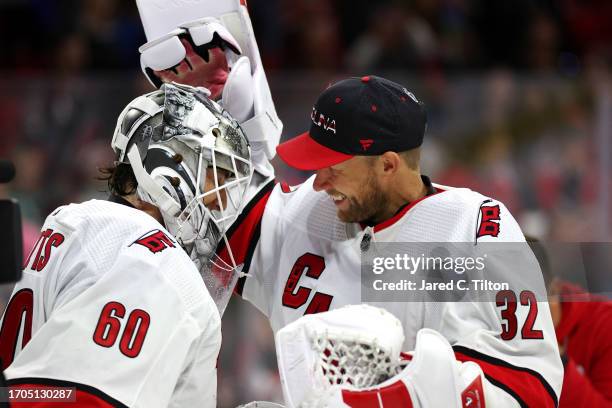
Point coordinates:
[(109, 326)]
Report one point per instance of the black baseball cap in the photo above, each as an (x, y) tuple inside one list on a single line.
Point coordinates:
[(365, 116)]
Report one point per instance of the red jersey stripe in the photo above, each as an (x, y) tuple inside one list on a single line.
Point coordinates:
[(528, 387)]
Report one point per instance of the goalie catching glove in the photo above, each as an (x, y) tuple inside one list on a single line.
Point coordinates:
[(350, 357)]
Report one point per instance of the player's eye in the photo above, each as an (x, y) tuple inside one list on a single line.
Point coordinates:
[(222, 175), (334, 172)]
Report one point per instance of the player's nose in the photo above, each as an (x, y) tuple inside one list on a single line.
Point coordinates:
[(223, 194), (223, 204), (321, 181)]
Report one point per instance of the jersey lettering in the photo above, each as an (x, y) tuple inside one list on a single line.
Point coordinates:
[(155, 241), (43, 247), (314, 266), (320, 303)]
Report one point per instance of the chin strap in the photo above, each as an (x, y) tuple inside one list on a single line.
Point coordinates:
[(161, 198)]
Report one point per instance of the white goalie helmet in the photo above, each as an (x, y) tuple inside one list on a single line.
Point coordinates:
[(191, 160)]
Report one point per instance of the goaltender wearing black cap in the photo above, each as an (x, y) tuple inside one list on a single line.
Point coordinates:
[(364, 143)]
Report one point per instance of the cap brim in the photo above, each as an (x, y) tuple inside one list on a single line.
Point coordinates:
[(303, 153)]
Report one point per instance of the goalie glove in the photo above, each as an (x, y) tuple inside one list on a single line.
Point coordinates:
[(224, 23), (350, 357), (432, 379)]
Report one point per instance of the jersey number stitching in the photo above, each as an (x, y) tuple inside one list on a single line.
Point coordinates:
[(507, 298), (109, 326)]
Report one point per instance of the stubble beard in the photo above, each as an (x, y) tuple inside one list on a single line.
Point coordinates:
[(368, 209)]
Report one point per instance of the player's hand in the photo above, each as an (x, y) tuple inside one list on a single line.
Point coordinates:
[(196, 71)]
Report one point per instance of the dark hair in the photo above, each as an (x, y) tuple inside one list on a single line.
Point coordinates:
[(119, 178)]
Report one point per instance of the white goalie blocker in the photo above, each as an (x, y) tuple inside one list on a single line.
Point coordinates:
[(350, 357), (246, 95)]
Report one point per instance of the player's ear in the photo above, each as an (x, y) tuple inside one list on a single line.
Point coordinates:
[(390, 162)]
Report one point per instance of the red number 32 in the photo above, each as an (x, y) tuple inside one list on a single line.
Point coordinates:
[(507, 298)]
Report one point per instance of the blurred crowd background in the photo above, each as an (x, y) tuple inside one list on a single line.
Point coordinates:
[(518, 92)]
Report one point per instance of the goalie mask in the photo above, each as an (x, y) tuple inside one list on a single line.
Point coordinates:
[(192, 161)]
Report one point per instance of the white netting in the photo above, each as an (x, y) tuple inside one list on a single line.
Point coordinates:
[(353, 362), (353, 347)]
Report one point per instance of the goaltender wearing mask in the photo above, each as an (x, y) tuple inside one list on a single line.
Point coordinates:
[(111, 304)]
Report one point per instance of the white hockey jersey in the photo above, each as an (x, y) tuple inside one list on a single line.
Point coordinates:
[(110, 304), (302, 259)]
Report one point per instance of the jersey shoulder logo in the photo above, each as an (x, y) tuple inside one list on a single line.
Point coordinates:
[(155, 241), (489, 220)]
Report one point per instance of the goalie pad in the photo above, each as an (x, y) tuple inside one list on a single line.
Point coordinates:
[(354, 337), (246, 94)]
